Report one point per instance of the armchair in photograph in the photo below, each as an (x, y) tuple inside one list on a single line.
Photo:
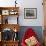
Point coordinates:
[(30, 38)]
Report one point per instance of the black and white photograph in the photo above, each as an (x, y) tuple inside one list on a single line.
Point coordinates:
[(30, 13)]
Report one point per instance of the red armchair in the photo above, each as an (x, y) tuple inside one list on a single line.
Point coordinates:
[(30, 34)]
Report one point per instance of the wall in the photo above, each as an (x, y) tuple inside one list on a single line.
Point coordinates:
[(26, 4)]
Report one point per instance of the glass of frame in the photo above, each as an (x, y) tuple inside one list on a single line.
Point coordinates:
[(30, 13), (5, 12), (13, 20)]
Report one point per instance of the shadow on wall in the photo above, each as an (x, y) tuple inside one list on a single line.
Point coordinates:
[(37, 29)]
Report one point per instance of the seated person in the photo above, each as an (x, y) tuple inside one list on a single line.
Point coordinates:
[(30, 38)]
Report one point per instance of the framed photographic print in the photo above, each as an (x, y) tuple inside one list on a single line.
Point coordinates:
[(30, 13), (5, 12)]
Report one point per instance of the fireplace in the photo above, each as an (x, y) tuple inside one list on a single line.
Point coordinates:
[(8, 35)]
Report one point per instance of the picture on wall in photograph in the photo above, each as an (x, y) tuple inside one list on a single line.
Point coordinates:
[(30, 13)]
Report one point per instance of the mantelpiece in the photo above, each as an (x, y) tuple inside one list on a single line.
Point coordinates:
[(11, 26)]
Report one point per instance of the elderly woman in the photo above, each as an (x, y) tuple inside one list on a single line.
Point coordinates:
[(30, 38)]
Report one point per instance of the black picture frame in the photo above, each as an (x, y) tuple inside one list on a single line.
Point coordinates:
[(30, 13)]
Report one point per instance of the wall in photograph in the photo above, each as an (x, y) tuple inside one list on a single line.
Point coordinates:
[(27, 4)]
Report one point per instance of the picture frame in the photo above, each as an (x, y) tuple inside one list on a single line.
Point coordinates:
[(0, 36), (13, 20), (13, 12), (0, 19), (5, 12), (30, 13)]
